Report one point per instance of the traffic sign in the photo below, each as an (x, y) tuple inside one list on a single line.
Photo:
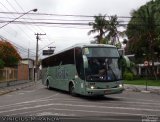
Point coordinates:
[(48, 52), (146, 63)]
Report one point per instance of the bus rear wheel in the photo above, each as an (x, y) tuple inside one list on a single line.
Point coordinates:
[(71, 89)]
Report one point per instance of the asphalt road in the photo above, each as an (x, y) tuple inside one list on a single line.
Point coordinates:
[(39, 101)]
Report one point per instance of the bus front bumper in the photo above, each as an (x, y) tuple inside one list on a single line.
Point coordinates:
[(95, 92)]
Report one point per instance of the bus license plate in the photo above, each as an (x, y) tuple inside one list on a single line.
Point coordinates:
[(107, 91)]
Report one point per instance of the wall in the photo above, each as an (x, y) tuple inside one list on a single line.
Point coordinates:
[(23, 72)]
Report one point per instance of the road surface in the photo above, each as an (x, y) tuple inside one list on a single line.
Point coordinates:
[(39, 101)]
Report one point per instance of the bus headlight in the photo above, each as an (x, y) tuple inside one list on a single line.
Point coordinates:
[(92, 87), (76, 76), (120, 85)]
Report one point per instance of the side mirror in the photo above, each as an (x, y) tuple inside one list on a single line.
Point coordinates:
[(128, 63), (85, 61), (120, 62)]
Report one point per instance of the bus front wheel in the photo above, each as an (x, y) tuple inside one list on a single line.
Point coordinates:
[(71, 89)]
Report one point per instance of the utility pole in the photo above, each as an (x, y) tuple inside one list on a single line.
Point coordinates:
[(28, 53), (37, 38), (28, 66)]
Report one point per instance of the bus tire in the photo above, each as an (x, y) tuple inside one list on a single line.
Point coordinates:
[(47, 83), (71, 89)]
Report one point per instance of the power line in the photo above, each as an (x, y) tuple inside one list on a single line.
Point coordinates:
[(45, 46), (122, 21), (66, 23), (54, 23), (67, 15), (30, 17), (70, 23), (8, 10), (25, 18), (19, 48), (18, 17), (63, 26), (18, 26)]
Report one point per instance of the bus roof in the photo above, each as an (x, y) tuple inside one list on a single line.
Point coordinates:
[(82, 45)]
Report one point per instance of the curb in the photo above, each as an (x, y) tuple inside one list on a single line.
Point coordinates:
[(3, 91), (145, 91), (141, 89), (13, 83)]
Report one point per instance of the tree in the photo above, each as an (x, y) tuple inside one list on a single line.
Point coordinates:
[(8, 54), (143, 30), (113, 32), (108, 32), (99, 26)]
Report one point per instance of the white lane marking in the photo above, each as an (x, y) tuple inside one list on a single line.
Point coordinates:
[(75, 105), (84, 111), (32, 101), (45, 113), (37, 88), (28, 91), (138, 104), (21, 93), (53, 114), (8, 95), (40, 110), (76, 101), (104, 112), (87, 106), (110, 102), (120, 102), (139, 99)]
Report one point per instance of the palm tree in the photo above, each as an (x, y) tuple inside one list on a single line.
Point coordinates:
[(99, 26), (113, 32)]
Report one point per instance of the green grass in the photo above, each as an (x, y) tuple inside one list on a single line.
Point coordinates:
[(143, 82)]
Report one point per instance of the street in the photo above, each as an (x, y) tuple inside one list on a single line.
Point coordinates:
[(39, 101)]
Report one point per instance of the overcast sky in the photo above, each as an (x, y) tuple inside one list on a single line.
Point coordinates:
[(61, 36)]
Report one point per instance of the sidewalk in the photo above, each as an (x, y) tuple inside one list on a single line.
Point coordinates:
[(17, 85), (142, 88)]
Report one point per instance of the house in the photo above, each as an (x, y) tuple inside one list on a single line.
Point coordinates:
[(26, 69)]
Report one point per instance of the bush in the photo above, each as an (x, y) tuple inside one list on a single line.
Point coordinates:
[(128, 76), (9, 54), (1, 64)]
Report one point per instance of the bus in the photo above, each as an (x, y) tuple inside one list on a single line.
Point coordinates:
[(85, 69)]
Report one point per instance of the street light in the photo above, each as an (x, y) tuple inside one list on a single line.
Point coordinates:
[(34, 10)]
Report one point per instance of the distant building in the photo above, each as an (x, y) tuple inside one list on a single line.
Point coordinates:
[(26, 69)]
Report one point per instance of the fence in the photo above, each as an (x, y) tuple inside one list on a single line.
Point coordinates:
[(8, 74)]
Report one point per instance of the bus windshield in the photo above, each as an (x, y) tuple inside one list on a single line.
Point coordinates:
[(101, 52), (102, 64)]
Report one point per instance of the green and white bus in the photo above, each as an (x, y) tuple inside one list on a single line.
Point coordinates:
[(86, 69)]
